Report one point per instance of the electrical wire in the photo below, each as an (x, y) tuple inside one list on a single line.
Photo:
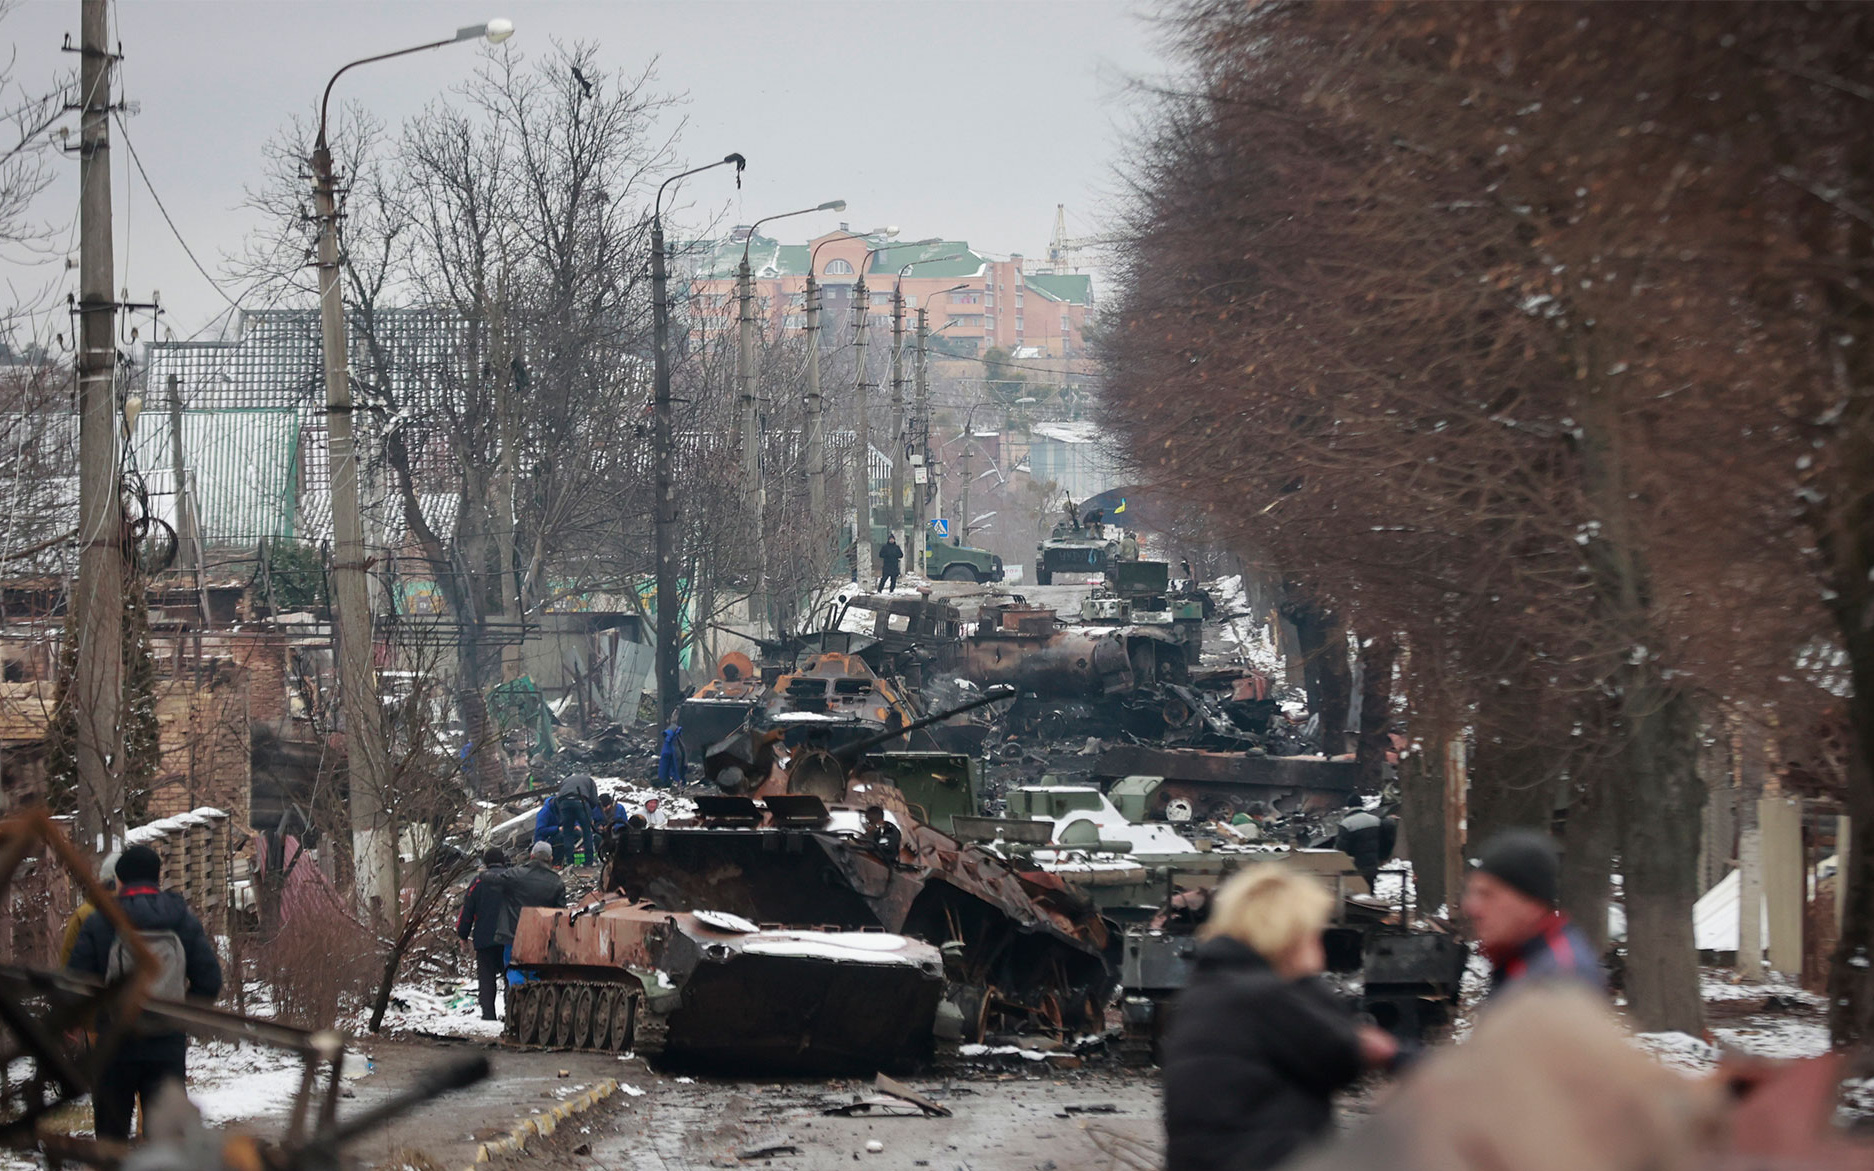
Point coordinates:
[(176, 232)]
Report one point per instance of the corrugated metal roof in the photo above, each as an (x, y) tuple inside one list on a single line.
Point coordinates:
[(928, 260), (245, 463)]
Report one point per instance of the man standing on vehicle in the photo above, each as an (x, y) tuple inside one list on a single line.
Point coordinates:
[(186, 967), (577, 797), (480, 925), (890, 557)]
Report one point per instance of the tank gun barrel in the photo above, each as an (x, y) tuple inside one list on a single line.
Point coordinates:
[(847, 753)]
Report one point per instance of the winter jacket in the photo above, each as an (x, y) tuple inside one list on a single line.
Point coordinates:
[(1251, 1063), (533, 885), (890, 555), (583, 787), (152, 910), (1559, 952), (1366, 839), (547, 821), (484, 910)]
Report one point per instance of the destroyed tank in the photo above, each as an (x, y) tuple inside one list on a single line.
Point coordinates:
[(1021, 951), (707, 989), (722, 705)]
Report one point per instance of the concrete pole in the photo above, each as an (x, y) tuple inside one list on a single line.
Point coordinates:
[(963, 511), (862, 445), (816, 417), (663, 439), (188, 541), (98, 602), (894, 510), (366, 756), (920, 441), (752, 503)]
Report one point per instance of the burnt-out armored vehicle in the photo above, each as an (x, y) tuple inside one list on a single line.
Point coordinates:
[(787, 842), (713, 990), (722, 705)]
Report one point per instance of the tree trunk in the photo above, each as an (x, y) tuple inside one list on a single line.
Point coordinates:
[(1664, 801), (1423, 814), (1323, 643), (1376, 666), (1588, 854)]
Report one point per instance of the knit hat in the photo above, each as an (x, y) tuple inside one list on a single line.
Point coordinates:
[(1525, 860), (542, 852), (139, 864)]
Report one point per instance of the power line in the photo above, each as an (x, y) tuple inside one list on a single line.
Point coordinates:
[(173, 230)]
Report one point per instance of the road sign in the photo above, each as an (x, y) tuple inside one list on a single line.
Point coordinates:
[(940, 527)]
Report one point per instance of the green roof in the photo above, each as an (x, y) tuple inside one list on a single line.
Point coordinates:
[(966, 264), (245, 464), (1073, 287)]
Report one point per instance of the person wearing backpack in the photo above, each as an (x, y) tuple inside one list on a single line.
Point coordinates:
[(187, 967)]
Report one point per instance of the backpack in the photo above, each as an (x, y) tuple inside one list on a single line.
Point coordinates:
[(172, 969)]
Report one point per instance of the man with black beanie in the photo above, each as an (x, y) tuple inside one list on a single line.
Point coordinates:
[(186, 967), (1512, 899), (483, 926)]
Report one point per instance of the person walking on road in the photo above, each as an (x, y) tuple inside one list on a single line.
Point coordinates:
[(1259, 1044), (480, 925), (890, 557), (186, 968), (1513, 902), (578, 796)]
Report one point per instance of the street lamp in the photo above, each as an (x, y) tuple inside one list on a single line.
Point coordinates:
[(754, 501), (816, 402), (662, 440), (896, 507), (862, 447), (366, 754)]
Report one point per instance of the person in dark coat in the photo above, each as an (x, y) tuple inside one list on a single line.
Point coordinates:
[(1512, 900), (480, 925), (890, 557), (146, 1059), (1259, 1045), (578, 796), (1367, 838), (881, 836), (533, 885)]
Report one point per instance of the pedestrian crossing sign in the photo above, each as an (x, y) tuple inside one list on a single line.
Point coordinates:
[(940, 526)]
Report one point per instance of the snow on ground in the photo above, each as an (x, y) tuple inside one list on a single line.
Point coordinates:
[(1792, 1029), (1252, 642), (438, 1008), (229, 1081)]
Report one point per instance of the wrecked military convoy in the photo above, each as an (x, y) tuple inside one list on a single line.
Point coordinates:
[(781, 929)]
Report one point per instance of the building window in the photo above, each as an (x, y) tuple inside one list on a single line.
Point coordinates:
[(794, 321), (966, 298), (838, 267), (1067, 325)]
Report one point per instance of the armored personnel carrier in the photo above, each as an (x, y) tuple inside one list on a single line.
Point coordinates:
[(710, 989)]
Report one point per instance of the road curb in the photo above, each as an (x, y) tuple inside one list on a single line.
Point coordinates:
[(539, 1126)]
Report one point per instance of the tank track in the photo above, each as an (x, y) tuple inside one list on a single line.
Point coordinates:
[(594, 1015)]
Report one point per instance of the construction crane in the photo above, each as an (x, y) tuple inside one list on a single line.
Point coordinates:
[(1062, 248)]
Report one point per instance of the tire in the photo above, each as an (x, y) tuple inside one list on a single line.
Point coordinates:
[(1042, 576), (960, 572)]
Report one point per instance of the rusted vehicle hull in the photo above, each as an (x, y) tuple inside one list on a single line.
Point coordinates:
[(1065, 663), (1021, 951), (1217, 785), (713, 991)]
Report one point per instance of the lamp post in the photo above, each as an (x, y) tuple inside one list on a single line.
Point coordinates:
[(754, 498), (896, 508), (669, 606), (816, 402), (862, 445), (366, 755), (920, 428)]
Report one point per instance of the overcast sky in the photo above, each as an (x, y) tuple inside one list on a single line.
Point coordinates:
[(965, 120)]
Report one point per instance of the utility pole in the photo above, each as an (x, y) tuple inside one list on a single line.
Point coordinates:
[(816, 412), (862, 445), (188, 541), (98, 675), (752, 503), (963, 511), (895, 507), (669, 603), (920, 440), (367, 763)]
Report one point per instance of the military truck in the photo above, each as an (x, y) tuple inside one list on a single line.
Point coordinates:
[(949, 560)]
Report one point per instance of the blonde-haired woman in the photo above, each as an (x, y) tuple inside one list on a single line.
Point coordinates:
[(1259, 1045)]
